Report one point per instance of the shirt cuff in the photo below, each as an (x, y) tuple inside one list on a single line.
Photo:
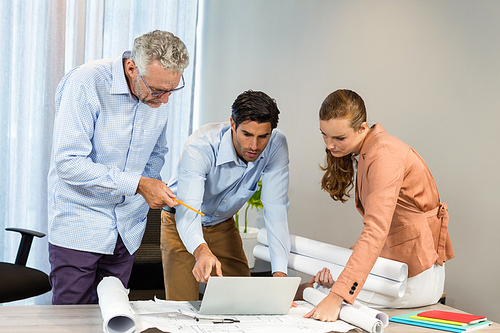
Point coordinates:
[(279, 264), (193, 243), (128, 184)]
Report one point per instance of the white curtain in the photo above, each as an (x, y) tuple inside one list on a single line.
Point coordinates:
[(40, 41)]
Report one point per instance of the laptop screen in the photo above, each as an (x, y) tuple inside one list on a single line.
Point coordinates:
[(249, 295)]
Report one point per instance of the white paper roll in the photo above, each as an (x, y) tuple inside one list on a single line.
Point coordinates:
[(386, 268), (382, 316), (311, 266), (117, 314), (350, 313)]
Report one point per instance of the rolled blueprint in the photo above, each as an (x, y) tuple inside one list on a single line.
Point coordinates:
[(311, 266), (356, 314), (386, 268), (382, 316), (116, 311)]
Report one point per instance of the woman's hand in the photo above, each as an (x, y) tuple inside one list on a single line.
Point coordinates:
[(328, 309), (323, 278)]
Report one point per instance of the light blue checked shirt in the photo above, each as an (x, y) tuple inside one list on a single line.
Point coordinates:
[(104, 141), (211, 178)]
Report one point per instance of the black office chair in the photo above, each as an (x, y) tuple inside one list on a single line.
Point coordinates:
[(17, 281)]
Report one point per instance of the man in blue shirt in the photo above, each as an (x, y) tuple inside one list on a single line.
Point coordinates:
[(219, 170), (108, 150)]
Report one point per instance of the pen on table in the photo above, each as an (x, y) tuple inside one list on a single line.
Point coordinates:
[(182, 203), (218, 320)]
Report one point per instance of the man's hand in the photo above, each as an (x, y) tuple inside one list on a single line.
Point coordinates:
[(156, 193), (328, 309), (323, 278), (205, 263)]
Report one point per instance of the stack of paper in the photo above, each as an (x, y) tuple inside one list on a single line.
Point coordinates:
[(443, 320)]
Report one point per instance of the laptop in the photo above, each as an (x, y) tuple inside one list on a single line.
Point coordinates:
[(238, 295)]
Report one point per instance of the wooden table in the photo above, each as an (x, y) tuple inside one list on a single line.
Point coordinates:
[(87, 319)]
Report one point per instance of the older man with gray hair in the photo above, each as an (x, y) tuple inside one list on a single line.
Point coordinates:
[(108, 150)]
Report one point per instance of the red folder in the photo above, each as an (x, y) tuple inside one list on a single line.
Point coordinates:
[(452, 316)]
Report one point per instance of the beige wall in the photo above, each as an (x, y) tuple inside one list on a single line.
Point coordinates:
[(429, 71)]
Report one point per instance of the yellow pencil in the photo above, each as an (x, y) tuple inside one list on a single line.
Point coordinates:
[(182, 203)]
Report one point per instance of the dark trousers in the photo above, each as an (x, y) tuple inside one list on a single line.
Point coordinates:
[(74, 275)]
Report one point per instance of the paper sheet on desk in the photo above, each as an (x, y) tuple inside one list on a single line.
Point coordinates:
[(122, 316), (292, 322)]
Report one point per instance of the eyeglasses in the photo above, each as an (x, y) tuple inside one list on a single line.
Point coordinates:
[(161, 93)]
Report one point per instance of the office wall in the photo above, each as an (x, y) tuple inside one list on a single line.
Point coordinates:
[(429, 72)]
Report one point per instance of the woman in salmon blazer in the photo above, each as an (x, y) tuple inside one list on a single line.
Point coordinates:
[(403, 216)]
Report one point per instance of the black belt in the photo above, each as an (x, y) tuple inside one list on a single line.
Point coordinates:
[(169, 209)]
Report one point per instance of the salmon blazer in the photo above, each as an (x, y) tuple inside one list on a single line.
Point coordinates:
[(403, 217)]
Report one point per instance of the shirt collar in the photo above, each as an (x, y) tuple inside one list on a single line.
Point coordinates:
[(227, 153), (119, 85)]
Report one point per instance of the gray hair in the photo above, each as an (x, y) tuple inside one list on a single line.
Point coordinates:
[(160, 46)]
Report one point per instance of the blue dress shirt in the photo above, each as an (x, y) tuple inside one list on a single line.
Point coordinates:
[(213, 179), (104, 141)]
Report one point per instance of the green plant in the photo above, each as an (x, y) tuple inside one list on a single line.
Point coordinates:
[(253, 202)]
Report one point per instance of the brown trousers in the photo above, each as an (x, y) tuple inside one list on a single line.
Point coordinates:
[(223, 240)]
